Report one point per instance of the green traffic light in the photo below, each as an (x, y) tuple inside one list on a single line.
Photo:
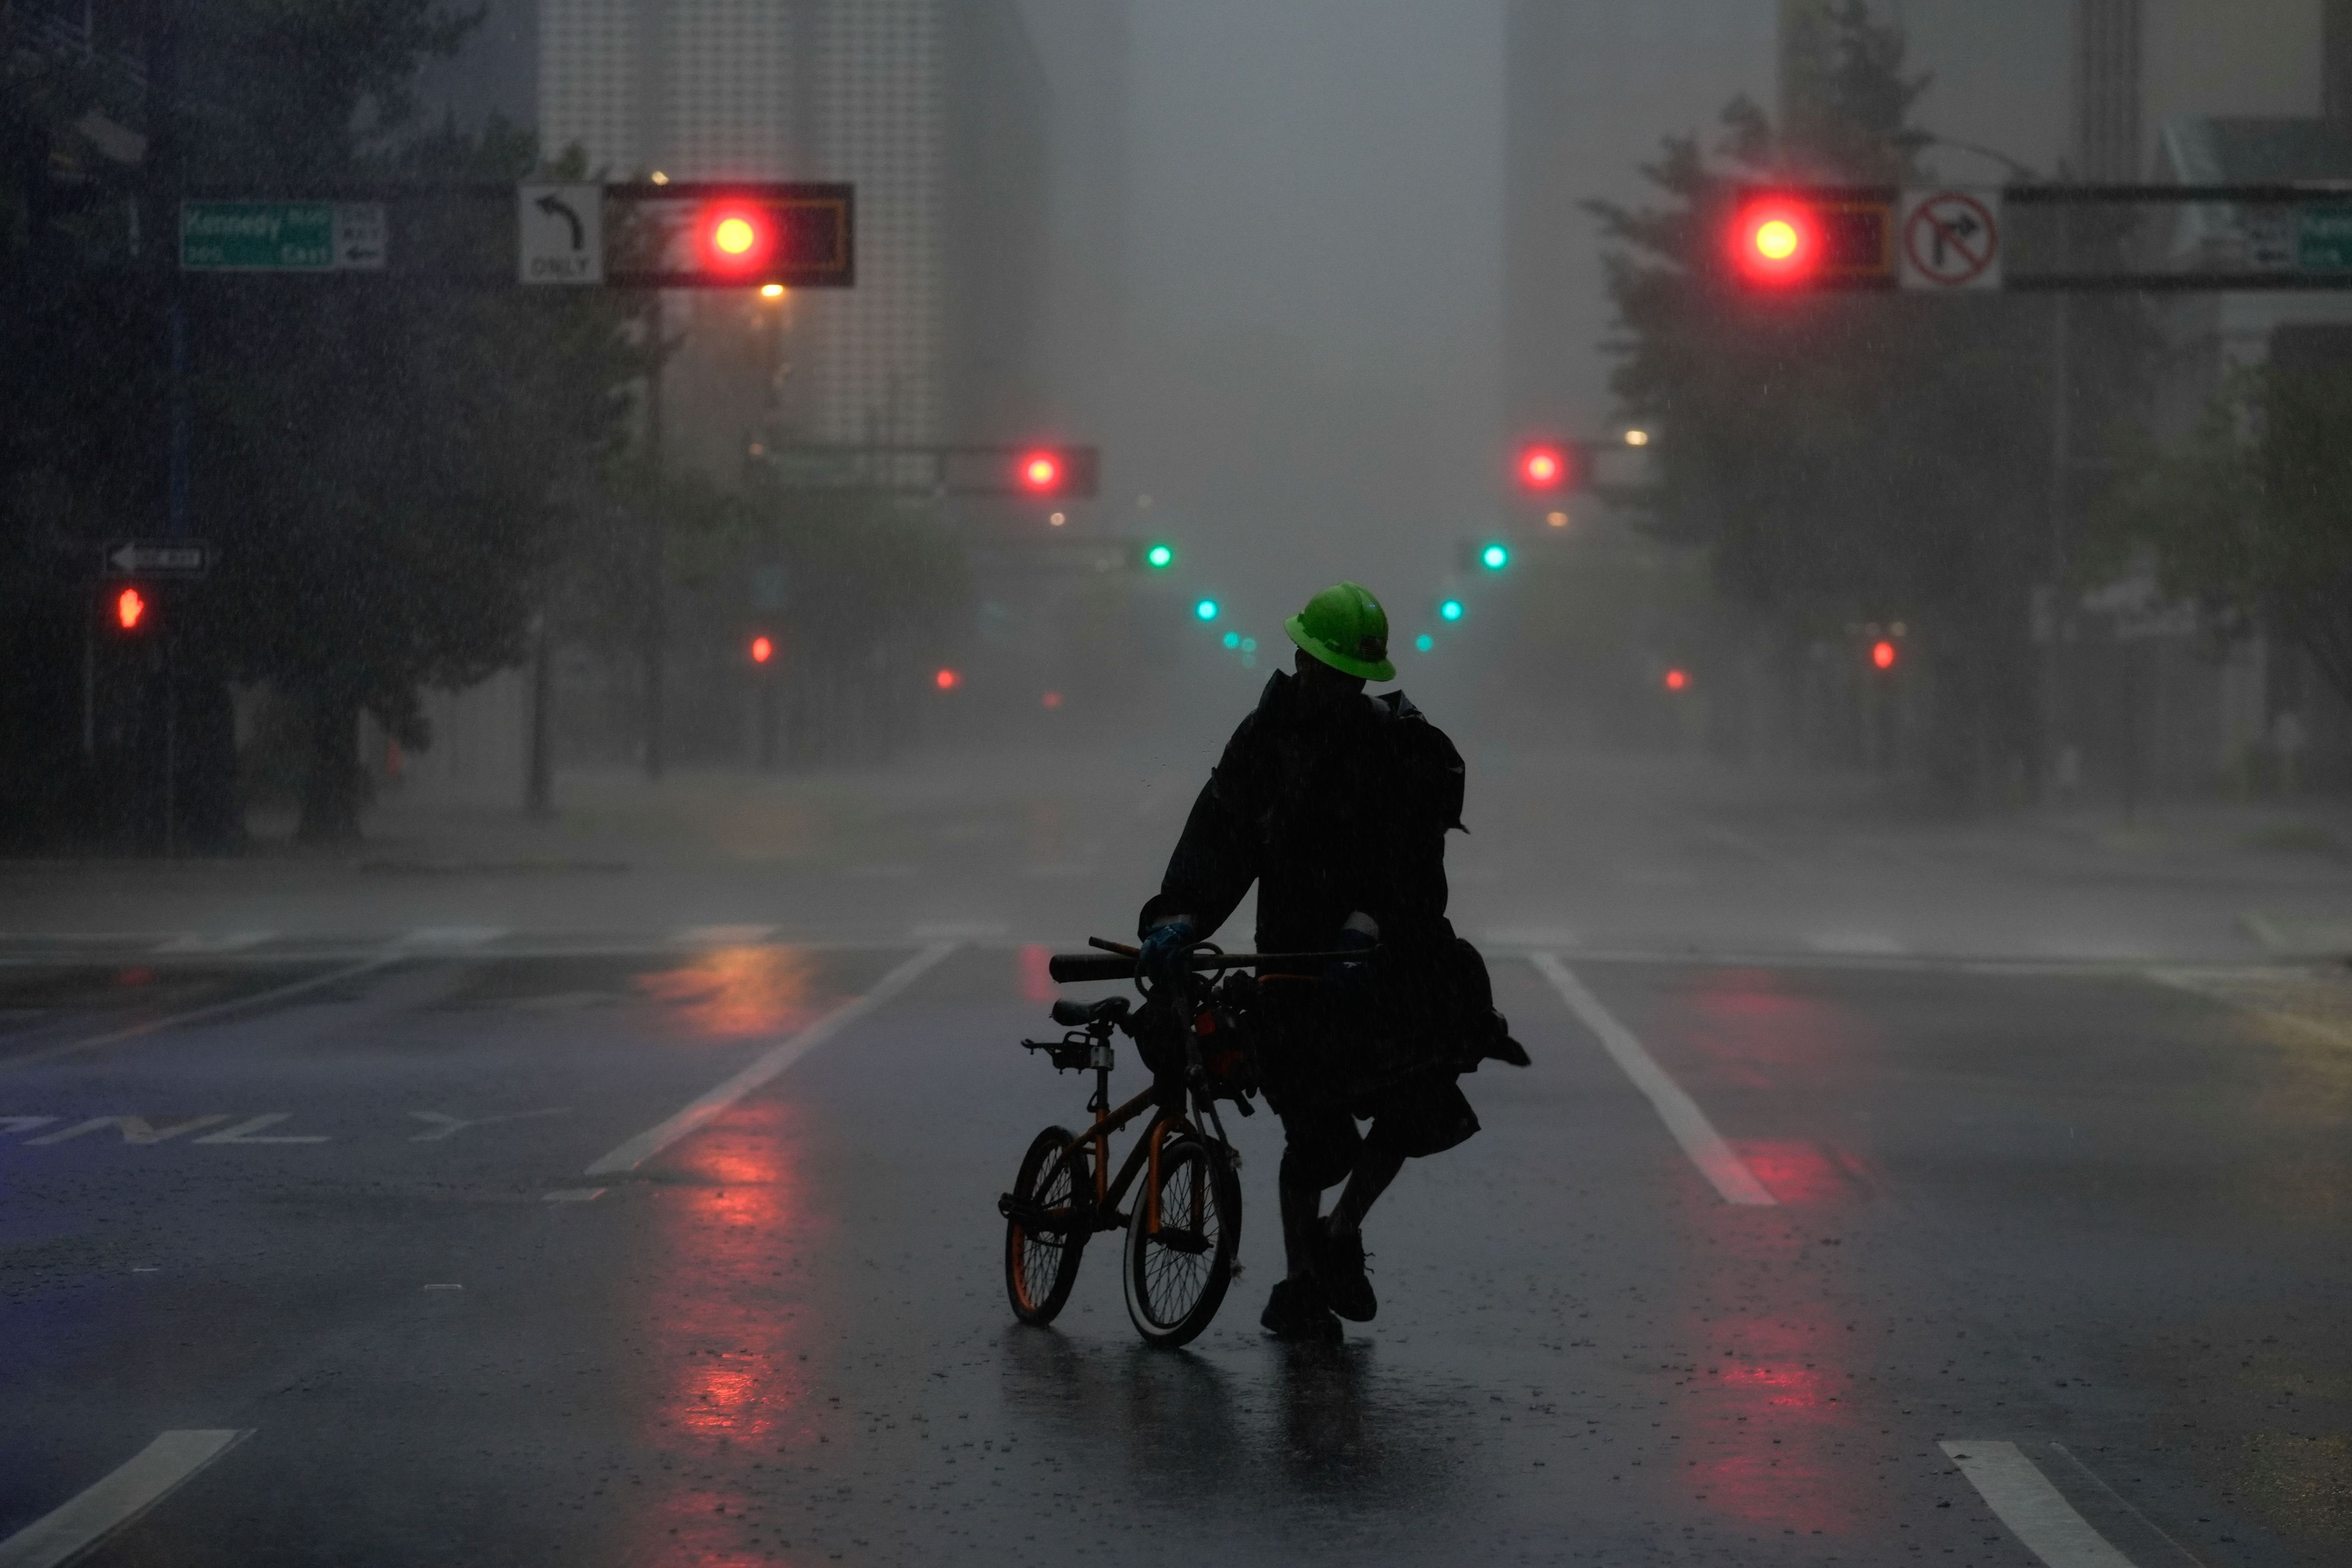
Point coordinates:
[(1159, 557), (1206, 609), (1424, 642), (1495, 557), (1233, 639), (1450, 609)]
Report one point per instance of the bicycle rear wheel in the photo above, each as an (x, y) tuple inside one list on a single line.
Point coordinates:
[(1176, 1271), (1048, 1216)]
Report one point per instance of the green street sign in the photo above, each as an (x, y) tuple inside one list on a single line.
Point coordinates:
[(2324, 240), (257, 237)]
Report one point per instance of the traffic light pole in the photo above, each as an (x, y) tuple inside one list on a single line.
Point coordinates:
[(656, 647)]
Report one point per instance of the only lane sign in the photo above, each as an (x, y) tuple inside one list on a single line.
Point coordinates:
[(562, 233)]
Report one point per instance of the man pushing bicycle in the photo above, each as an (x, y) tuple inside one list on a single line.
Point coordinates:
[(1337, 804)]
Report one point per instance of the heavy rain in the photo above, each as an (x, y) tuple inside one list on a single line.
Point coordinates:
[(1273, 782)]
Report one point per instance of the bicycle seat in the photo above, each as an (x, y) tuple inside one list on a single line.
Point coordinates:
[(1078, 1015)]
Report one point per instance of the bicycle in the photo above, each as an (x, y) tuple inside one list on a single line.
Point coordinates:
[(1184, 1227)]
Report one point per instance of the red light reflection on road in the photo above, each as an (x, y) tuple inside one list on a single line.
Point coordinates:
[(1036, 979), (734, 993), (722, 1328), (1775, 1440), (1794, 1170), (1776, 1447)]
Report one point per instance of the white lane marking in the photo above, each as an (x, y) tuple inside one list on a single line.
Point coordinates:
[(134, 1129), (956, 931), (444, 1287), (453, 936), (232, 942), (1679, 1111), (767, 1065), (1860, 944), (243, 1133), (2022, 1497), (1533, 936), (575, 1194), (147, 1478), (202, 1015), (725, 936), (447, 1126)]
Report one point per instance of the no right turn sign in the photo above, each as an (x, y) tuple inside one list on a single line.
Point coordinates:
[(1949, 238)]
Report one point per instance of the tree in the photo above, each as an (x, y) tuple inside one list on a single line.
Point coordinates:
[(380, 463), (1843, 457), (2251, 516)]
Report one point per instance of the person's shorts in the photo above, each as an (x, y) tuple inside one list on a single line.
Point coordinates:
[(1425, 1115)]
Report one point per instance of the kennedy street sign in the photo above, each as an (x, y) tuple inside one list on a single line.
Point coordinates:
[(158, 557), (281, 237)]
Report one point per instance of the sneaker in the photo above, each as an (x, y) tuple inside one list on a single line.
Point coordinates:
[(1339, 1270), (1295, 1311)]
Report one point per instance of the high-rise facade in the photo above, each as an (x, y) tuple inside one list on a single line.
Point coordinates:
[(935, 110), (1593, 88), (2105, 82)]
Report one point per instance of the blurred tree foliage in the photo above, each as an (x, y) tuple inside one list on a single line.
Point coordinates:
[(867, 589), (1845, 457), (2251, 516), (389, 468)]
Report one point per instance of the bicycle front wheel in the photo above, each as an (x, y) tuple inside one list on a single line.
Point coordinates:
[(1048, 1216), (1179, 1250)]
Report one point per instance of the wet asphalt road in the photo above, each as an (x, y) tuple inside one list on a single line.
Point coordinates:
[(2096, 1214)]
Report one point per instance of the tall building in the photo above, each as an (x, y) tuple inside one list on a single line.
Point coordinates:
[(1593, 88), (1086, 45), (936, 110), (2106, 90)]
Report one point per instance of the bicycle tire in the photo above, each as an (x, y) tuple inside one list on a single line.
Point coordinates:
[(1175, 1278), (1040, 1266)]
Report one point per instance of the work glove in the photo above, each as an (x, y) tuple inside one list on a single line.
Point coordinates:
[(1352, 974), (1162, 955)]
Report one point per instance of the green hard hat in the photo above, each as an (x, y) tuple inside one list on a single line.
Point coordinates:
[(1345, 627)]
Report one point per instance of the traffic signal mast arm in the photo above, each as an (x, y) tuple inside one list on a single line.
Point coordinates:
[(1792, 238), (1037, 469)]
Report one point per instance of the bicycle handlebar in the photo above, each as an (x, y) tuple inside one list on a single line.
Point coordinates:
[(1068, 967)]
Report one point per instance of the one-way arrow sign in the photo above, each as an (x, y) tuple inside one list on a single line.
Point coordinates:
[(159, 557)]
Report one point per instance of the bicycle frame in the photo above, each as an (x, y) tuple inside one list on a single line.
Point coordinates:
[(1108, 1190)]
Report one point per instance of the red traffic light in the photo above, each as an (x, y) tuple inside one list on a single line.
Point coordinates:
[(1676, 679), (1883, 654), (736, 238), (1777, 242), (1545, 466), (947, 680), (1041, 472), (130, 609), (763, 650)]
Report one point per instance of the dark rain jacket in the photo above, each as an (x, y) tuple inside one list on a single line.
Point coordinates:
[(1329, 814)]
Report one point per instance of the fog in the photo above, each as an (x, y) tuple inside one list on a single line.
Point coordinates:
[(616, 616)]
